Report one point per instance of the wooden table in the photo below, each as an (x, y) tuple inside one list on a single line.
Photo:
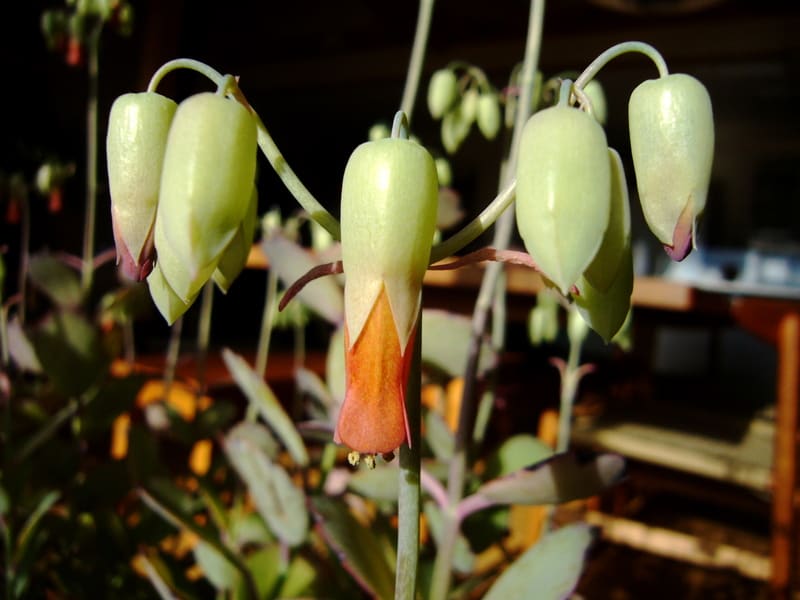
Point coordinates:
[(775, 320)]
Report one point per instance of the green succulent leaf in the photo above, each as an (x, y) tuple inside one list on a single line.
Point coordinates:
[(549, 570)]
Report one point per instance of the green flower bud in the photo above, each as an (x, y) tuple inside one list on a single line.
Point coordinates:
[(137, 136), (234, 257), (488, 116), (469, 105), (617, 237), (443, 171), (388, 214), (442, 92), (604, 290), (378, 132), (605, 311), (168, 303), (596, 95), (455, 129), (672, 143), (209, 168), (543, 319), (563, 192)]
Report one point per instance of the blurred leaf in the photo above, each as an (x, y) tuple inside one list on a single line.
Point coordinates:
[(21, 349), (28, 531), (360, 550), (157, 572), (279, 502), (215, 418), (559, 479), (61, 283), (299, 579), (257, 435), (175, 517), (248, 528), (381, 483), (291, 261), (463, 558), (310, 384), (270, 409), (334, 365), (516, 453), (439, 436), (69, 349), (143, 458), (123, 305), (217, 569), (446, 341), (5, 503), (549, 570), (268, 567), (116, 396)]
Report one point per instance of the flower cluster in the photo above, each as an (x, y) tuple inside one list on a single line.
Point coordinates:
[(183, 199)]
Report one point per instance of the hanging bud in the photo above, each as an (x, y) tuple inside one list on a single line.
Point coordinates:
[(563, 192), (594, 91), (488, 116), (209, 168), (168, 303), (442, 92), (604, 290), (137, 135), (388, 214), (672, 143)]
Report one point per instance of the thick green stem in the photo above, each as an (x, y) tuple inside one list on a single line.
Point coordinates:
[(409, 497), (93, 63), (417, 57), (440, 583), (265, 335)]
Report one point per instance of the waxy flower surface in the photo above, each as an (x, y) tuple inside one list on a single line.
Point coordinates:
[(388, 218)]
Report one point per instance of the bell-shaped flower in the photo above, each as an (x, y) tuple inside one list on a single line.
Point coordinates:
[(388, 217), (563, 183), (206, 188), (604, 289), (672, 144), (137, 136)]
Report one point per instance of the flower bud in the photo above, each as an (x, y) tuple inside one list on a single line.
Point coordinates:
[(488, 116), (442, 92), (563, 192), (209, 168), (672, 144), (604, 290), (594, 91), (234, 257), (469, 105), (137, 135), (168, 303)]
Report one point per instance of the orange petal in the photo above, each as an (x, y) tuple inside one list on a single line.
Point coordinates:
[(373, 416)]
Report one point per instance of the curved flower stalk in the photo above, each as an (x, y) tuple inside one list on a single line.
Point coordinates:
[(388, 219)]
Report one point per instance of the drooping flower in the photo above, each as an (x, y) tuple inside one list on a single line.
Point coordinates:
[(137, 136), (672, 143), (563, 187), (388, 216)]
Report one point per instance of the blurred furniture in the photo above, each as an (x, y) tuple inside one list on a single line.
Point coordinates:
[(762, 458)]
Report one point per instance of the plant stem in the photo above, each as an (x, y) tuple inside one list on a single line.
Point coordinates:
[(440, 583), (93, 64), (617, 50), (204, 333), (173, 351), (408, 502), (265, 335), (292, 182), (417, 57)]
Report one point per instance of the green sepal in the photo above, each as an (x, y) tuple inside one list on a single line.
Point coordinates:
[(234, 258)]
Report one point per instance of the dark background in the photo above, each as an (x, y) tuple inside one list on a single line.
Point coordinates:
[(321, 73)]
